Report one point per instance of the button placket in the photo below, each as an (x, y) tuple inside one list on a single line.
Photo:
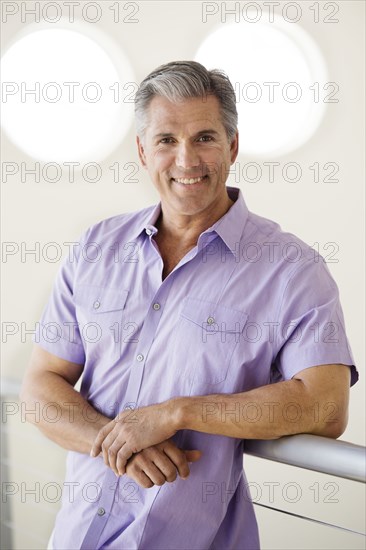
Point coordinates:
[(107, 498), (146, 339)]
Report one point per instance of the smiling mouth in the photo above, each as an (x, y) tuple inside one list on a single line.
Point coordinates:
[(190, 181)]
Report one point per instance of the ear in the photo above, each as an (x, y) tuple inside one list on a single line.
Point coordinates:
[(141, 151), (234, 147)]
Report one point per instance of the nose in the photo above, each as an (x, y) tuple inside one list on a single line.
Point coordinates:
[(187, 156)]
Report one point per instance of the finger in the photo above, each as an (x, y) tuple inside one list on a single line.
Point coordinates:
[(178, 458), (122, 456), (152, 471), (112, 454), (162, 462), (109, 442), (110, 447), (102, 434), (135, 473), (193, 456)]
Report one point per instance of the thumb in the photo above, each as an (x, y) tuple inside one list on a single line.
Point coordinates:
[(193, 456)]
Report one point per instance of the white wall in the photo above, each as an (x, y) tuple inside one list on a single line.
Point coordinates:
[(316, 212)]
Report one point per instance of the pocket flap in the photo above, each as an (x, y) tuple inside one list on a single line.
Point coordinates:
[(100, 299), (213, 317)]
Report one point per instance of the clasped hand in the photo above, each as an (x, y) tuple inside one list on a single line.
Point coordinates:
[(144, 431)]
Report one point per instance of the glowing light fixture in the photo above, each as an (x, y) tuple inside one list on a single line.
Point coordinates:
[(66, 94), (279, 77)]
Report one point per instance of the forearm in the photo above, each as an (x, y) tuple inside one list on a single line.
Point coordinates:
[(314, 401), (64, 415), (268, 412)]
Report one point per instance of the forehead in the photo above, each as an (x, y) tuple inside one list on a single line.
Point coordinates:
[(189, 114)]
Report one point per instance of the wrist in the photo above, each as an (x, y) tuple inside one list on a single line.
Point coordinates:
[(179, 411), (91, 431)]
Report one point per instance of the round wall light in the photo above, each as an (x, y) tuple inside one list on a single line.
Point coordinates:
[(66, 95), (279, 77)]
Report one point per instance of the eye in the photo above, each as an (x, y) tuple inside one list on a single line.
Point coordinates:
[(166, 140), (205, 138)]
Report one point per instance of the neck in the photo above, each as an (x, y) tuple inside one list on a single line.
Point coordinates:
[(187, 228)]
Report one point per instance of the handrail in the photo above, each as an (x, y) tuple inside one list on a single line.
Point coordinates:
[(311, 452), (9, 387)]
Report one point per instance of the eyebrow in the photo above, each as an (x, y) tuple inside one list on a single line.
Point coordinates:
[(200, 133)]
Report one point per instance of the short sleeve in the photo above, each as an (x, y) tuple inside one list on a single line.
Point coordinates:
[(57, 331), (311, 323)]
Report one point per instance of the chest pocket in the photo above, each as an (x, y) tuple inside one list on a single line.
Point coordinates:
[(99, 312), (206, 336)]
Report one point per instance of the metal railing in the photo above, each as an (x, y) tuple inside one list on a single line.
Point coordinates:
[(312, 452), (320, 454)]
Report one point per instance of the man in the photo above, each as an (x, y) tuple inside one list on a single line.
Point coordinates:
[(179, 329)]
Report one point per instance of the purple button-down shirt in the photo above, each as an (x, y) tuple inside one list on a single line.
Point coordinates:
[(247, 306)]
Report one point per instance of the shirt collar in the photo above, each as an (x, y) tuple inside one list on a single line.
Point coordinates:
[(229, 227)]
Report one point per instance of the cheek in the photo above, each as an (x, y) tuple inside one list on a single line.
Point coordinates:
[(217, 159), (215, 152), (164, 168), (162, 159), (158, 168)]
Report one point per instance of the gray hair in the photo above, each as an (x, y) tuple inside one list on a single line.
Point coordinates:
[(181, 80)]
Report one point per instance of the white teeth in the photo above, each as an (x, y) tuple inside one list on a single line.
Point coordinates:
[(188, 181)]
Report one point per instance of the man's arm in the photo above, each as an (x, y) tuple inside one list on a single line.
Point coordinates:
[(50, 379), (314, 401)]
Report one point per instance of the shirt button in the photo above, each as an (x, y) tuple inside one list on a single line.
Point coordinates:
[(96, 305), (148, 231), (210, 320), (101, 511), (156, 306), (140, 357)]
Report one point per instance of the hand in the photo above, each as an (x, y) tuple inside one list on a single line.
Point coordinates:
[(131, 432), (160, 463)]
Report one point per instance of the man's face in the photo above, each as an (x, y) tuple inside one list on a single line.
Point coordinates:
[(187, 154)]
